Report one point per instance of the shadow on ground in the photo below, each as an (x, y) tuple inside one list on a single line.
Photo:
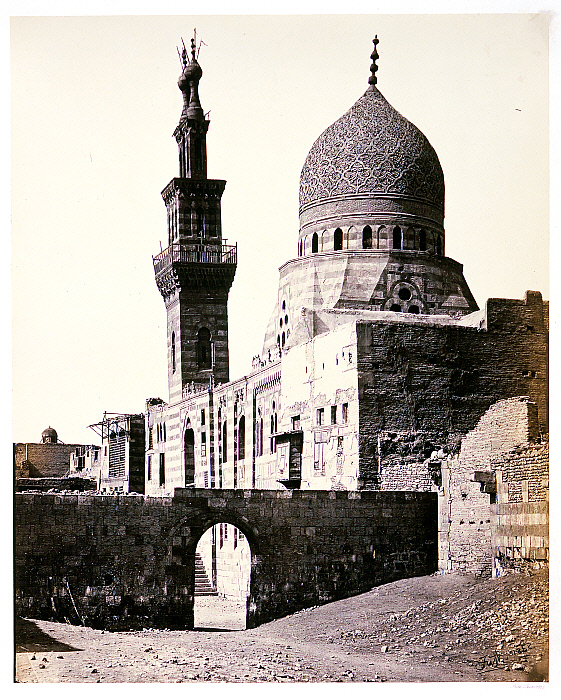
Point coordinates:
[(28, 637), (214, 629)]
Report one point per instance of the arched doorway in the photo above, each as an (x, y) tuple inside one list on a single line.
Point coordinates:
[(189, 452), (222, 578)]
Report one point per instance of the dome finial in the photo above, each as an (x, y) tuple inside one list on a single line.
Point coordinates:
[(372, 80)]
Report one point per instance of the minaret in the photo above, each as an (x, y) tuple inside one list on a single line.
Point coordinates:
[(195, 272)]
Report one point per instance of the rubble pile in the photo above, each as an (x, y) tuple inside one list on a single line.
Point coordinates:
[(504, 630)]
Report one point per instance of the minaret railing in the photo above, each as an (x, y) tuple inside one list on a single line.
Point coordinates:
[(195, 253)]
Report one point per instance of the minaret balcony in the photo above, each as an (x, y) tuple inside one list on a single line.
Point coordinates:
[(195, 253), (195, 266)]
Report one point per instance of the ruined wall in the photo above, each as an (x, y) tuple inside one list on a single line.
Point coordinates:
[(424, 386), (129, 560), (499, 463)]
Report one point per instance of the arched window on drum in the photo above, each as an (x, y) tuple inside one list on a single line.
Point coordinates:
[(338, 239)]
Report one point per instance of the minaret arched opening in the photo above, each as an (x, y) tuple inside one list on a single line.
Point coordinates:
[(367, 237), (204, 349)]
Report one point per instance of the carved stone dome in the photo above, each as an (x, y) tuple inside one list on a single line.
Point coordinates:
[(372, 153), (372, 149)]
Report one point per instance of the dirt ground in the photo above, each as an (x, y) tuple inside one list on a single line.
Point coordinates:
[(433, 628)]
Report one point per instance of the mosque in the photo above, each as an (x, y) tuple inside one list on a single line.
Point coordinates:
[(378, 373), (376, 357)]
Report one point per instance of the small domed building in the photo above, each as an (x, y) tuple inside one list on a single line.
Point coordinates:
[(49, 436), (376, 361)]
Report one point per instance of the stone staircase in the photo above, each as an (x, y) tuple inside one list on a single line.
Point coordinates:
[(202, 585)]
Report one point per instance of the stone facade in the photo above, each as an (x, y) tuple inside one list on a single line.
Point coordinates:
[(85, 462), (371, 396)]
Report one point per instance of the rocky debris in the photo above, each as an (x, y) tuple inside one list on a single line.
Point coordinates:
[(505, 629), (428, 629)]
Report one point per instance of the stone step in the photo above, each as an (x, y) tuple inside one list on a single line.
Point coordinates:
[(202, 585)]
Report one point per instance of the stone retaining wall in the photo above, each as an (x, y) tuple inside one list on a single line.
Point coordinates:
[(128, 561)]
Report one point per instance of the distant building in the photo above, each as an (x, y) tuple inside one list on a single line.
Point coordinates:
[(49, 458), (85, 461)]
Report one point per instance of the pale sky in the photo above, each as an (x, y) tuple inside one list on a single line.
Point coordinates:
[(94, 105)]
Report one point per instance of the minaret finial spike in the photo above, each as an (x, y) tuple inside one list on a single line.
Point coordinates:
[(183, 55), (194, 44), (372, 80)]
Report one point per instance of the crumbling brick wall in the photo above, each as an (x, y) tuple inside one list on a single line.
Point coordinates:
[(128, 560), (497, 462)]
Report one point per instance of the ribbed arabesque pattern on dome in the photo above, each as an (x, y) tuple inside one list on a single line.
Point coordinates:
[(372, 149)]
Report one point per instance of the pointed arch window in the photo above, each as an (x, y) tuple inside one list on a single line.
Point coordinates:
[(241, 438), (225, 441), (422, 239), (315, 243), (173, 351), (220, 457), (259, 436), (439, 245), (396, 238), (204, 350), (367, 237), (338, 239), (272, 439)]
